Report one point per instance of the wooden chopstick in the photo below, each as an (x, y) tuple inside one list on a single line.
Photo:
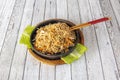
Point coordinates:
[(90, 23)]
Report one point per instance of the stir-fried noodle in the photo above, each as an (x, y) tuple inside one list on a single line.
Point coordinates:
[(54, 38)]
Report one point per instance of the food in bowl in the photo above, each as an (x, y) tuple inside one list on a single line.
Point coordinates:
[(54, 38)]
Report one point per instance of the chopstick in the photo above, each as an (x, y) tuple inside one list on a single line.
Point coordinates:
[(89, 23)]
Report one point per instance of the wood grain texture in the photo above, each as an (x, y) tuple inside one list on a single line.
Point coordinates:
[(6, 52), (5, 14), (116, 8), (93, 59), (104, 44), (113, 30), (100, 62), (19, 58), (2, 5)]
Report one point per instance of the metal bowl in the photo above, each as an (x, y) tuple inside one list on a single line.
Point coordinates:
[(60, 54)]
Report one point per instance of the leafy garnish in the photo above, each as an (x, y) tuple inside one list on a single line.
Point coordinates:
[(25, 37), (76, 54)]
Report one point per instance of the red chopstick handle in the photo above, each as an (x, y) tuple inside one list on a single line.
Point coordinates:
[(99, 20)]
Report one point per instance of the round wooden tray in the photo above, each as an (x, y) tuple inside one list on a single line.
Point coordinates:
[(53, 62)]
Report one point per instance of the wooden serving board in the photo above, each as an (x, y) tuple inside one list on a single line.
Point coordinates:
[(53, 62)]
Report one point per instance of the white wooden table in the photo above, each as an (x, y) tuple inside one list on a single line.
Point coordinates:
[(100, 62)]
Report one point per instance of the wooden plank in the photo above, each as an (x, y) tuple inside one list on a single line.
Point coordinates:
[(62, 9), (116, 8), (113, 30), (4, 19), (106, 52), (47, 71), (2, 5), (8, 47), (31, 68), (63, 72), (93, 60), (19, 57), (73, 11), (39, 10), (78, 68), (50, 9), (32, 65)]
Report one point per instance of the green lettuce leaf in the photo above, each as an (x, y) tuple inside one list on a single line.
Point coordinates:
[(76, 54), (25, 37)]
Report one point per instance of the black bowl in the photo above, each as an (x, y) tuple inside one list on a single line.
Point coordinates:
[(60, 54)]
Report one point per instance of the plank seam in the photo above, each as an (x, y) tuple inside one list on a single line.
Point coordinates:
[(86, 67), (24, 65), (56, 8), (44, 10), (39, 71), (33, 12), (67, 9)]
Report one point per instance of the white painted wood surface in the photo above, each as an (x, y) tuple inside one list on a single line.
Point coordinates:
[(105, 48), (100, 62), (94, 67), (5, 14), (113, 30)]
